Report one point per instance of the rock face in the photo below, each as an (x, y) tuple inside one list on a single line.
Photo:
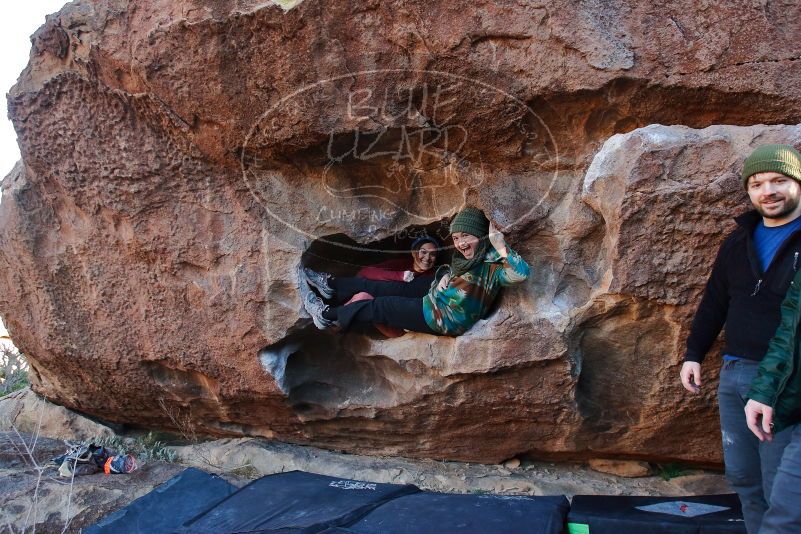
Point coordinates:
[(182, 160), (25, 411)]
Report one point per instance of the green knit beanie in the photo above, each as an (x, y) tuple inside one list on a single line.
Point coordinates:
[(783, 159), (471, 221)]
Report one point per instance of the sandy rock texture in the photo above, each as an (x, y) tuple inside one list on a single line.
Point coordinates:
[(181, 160)]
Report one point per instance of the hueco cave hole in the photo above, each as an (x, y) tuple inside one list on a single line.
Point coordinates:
[(321, 372)]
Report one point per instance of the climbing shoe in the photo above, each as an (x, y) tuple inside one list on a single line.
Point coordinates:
[(319, 281), (316, 307)]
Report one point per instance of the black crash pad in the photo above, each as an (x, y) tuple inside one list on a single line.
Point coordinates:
[(704, 514), (440, 513), (168, 506), (295, 502)]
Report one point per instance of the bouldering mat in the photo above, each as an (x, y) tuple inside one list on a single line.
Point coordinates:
[(295, 502), (168, 506), (440, 513), (705, 514)]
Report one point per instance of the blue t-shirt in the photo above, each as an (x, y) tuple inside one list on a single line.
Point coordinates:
[(768, 240)]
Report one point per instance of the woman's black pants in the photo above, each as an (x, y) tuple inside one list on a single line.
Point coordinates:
[(396, 304)]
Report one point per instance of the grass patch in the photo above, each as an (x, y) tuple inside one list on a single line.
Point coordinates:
[(672, 470), (246, 471), (144, 447)]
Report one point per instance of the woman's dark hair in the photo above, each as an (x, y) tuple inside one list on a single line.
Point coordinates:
[(422, 240)]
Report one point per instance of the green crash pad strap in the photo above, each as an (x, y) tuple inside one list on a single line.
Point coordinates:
[(578, 528)]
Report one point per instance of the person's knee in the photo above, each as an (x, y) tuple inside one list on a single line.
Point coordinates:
[(742, 468), (744, 476), (362, 295)]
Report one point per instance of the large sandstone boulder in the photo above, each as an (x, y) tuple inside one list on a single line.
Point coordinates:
[(182, 160)]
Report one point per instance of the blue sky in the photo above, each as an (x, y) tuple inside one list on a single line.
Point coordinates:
[(16, 27)]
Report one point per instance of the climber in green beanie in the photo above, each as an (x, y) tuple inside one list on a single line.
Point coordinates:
[(773, 410), (468, 231), (781, 159), (754, 268), (462, 293)]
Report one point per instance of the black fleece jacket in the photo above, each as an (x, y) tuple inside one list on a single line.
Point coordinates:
[(739, 295)]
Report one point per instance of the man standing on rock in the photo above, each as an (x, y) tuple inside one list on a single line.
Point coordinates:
[(750, 276)]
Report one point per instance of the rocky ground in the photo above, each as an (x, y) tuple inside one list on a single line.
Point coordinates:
[(529, 478), (34, 497)]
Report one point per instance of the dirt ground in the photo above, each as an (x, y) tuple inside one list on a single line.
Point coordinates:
[(34, 496)]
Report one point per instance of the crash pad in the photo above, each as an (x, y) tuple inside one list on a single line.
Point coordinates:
[(295, 502), (704, 514), (168, 506)]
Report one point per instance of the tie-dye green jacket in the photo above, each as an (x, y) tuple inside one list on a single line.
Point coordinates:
[(454, 310)]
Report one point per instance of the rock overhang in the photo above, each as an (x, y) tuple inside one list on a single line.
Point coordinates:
[(145, 263)]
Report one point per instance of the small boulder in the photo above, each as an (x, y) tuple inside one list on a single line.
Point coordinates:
[(621, 468), (512, 463)]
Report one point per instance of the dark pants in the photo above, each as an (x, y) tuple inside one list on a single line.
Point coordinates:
[(784, 512), (396, 304), (346, 287), (750, 464)]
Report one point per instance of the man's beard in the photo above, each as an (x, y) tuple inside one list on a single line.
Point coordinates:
[(790, 204)]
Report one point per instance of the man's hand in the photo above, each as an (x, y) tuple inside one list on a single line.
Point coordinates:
[(496, 239), (408, 276), (753, 410), (691, 376), (443, 282)]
